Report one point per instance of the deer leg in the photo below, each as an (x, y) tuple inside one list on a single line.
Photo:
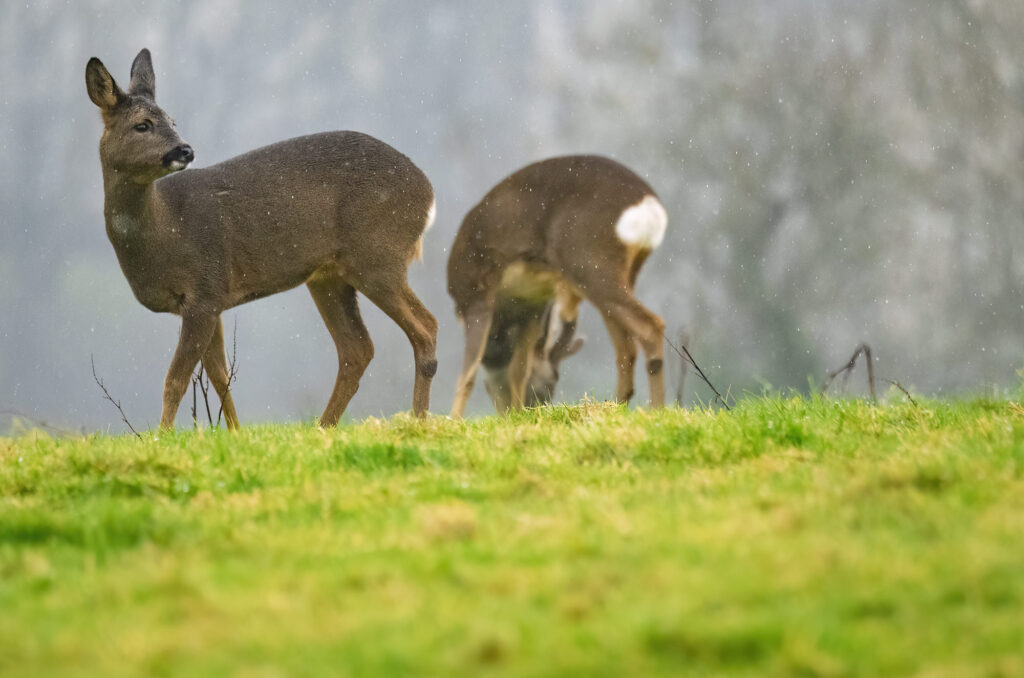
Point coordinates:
[(422, 333), (518, 375), (336, 301), (625, 358), (196, 331), (477, 325), (399, 302), (216, 365), (520, 367), (648, 329)]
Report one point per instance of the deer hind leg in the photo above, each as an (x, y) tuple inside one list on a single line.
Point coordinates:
[(618, 305), (216, 365), (625, 358), (336, 301), (477, 320), (392, 294), (197, 330)]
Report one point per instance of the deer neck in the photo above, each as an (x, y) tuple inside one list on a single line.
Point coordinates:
[(127, 206)]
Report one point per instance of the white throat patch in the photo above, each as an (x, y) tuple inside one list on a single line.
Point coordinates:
[(123, 224), (643, 224)]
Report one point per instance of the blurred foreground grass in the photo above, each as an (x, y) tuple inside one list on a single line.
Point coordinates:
[(789, 537)]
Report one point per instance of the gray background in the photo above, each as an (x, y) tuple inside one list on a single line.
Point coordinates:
[(834, 172)]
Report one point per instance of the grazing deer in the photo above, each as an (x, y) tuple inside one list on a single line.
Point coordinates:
[(528, 338), (548, 236), (338, 211)]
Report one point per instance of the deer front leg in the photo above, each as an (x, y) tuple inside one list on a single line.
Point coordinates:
[(520, 367), (477, 324), (216, 365), (196, 332)]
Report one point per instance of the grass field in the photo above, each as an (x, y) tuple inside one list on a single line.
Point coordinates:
[(789, 537)]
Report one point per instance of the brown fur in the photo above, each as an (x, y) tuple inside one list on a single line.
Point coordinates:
[(558, 218), (338, 211)]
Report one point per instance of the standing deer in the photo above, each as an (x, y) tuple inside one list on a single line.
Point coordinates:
[(338, 211), (545, 238)]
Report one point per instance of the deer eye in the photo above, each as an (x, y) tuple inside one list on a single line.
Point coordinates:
[(143, 126)]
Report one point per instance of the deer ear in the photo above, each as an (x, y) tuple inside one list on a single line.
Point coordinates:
[(102, 89), (574, 347), (565, 348), (143, 82)]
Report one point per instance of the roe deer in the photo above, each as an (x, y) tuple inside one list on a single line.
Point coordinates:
[(559, 231), (338, 211)]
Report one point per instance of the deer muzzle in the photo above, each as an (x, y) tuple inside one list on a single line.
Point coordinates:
[(179, 157)]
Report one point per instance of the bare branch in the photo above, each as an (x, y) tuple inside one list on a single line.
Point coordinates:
[(685, 355), (684, 339), (898, 385), (846, 369), (195, 421), (115, 403), (204, 386), (201, 382)]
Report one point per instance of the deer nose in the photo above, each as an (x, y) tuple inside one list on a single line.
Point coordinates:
[(179, 157)]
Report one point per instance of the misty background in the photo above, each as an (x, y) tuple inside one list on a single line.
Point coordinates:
[(835, 171)]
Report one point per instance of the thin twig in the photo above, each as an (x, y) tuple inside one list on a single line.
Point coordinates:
[(685, 355), (846, 369), (684, 339), (201, 382), (898, 385), (115, 403), (204, 386), (195, 421)]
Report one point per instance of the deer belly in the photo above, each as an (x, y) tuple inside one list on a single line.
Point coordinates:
[(521, 281), (270, 262), (249, 285)]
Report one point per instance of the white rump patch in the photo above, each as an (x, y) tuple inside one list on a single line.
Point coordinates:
[(643, 224), (431, 215)]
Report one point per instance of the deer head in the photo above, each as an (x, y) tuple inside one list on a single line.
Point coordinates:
[(139, 142), (557, 342)]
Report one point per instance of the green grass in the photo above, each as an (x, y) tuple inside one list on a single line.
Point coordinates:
[(790, 537)]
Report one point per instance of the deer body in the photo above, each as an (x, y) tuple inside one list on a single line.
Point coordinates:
[(251, 226), (338, 211), (570, 228)]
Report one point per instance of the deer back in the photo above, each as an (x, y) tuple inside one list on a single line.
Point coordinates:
[(556, 214)]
